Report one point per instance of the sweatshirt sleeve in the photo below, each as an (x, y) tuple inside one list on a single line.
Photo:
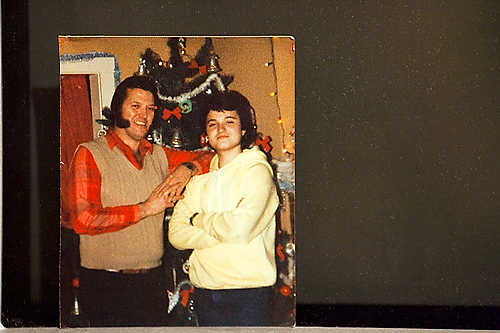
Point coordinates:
[(181, 233), (253, 213)]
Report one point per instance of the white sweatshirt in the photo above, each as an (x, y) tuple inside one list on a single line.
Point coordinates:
[(233, 231)]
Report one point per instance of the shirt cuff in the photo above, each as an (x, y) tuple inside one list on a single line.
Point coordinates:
[(197, 220), (134, 213)]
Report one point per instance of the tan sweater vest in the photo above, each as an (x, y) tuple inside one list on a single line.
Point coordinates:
[(139, 245)]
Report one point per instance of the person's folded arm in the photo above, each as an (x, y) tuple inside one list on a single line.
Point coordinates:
[(252, 214), (181, 233), (88, 216)]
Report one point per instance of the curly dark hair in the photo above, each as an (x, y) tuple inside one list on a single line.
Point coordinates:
[(121, 92), (232, 100)]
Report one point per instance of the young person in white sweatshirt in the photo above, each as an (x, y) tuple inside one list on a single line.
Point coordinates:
[(228, 217)]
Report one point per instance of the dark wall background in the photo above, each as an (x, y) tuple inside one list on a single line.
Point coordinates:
[(402, 119), (398, 161)]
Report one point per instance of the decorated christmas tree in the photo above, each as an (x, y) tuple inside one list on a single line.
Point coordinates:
[(184, 84)]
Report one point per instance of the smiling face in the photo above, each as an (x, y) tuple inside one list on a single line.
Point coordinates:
[(224, 131), (138, 108)]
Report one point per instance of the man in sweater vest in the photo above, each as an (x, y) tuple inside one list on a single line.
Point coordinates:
[(119, 187)]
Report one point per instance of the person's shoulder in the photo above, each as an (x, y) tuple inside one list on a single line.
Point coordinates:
[(93, 143), (202, 178), (93, 147), (196, 184), (159, 152), (254, 158), (158, 147)]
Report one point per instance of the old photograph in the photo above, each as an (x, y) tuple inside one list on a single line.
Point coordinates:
[(177, 181)]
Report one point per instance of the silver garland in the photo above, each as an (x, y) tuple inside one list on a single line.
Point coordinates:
[(173, 297), (202, 87)]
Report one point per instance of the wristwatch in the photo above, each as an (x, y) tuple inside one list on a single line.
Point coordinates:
[(190, 166)]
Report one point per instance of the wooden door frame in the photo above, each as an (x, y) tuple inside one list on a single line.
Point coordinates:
[(103, 76)]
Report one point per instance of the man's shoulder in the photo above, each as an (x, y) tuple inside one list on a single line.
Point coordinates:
[(95, 142), (158, 153), (157, 148), (95, 146)]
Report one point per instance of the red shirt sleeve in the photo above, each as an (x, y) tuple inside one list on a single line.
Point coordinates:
[(84, 199), (201, 159)]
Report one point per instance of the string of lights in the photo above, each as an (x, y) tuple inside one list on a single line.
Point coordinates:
[(275, 95)]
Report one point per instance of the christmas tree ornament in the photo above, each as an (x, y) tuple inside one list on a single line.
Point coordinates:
[(181, 45), (176, 140), (194, 64), (75, 282), (181, 42), (75, 310), (142, 67), (186, 106), (285, 291), (185, 267), (192, 315), (263, 142), (290, 249), (155, 136), (175, 112), (279, 252), (185, 295), (213, 64), (102, 132), (173, 297)]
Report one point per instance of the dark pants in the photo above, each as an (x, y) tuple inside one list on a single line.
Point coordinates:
[(117, 299), (233, 307)]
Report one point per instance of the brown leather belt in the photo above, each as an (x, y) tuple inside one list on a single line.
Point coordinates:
[(133, 271)]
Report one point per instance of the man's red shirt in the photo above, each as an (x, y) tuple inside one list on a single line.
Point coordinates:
[(87, 214)]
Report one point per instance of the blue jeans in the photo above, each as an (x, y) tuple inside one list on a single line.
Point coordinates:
[(233, 307)]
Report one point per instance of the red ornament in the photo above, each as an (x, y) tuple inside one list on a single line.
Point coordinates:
[(175, 112), (264, 143), (202, 69), (76, 282), (279, 252), (185, 296), (285, 291)]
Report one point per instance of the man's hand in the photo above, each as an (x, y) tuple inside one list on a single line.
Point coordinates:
[(167, 193), (158, 201), (174, 184)]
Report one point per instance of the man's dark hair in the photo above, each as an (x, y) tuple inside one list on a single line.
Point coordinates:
[(121, 92), (231, 100)]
